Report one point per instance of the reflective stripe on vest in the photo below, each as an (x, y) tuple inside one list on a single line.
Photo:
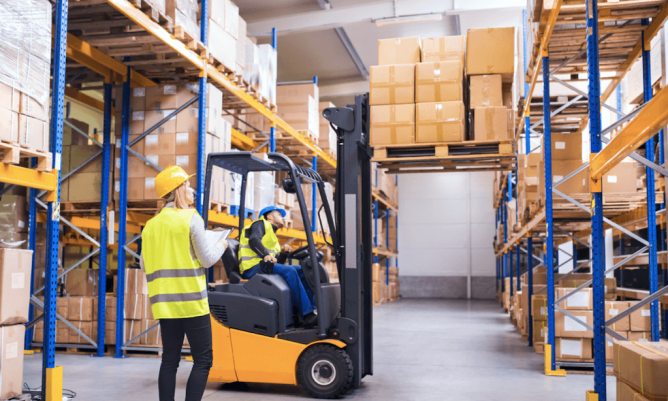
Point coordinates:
[(176, 284), (247, 257)]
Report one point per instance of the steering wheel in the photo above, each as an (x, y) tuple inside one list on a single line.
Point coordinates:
[(299, 253)]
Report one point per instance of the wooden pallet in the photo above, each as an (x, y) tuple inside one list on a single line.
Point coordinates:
[(71, 207), (219, 207), (193, 43), (13, 152), (154, 14), (443, 157), (309, 135)]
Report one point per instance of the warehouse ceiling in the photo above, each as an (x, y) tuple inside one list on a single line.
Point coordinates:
[(311, 34)]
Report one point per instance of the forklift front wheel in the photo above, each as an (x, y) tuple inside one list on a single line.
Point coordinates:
[(325, 371)]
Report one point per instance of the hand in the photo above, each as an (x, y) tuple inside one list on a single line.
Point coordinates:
[(286, 248), (224, 242), (270, 258)]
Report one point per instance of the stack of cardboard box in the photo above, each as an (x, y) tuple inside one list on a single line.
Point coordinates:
[(26, 73), (490, 62), (640, 368), (573, 341), (298, 105), (184, 16), (14, 216), (224, 32), (80, 315), (385, 183), (173, 143), (15, 276)]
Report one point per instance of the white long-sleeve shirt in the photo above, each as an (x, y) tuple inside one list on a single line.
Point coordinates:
[(199, 248)]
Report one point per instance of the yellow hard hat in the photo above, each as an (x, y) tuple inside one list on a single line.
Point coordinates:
[(169, 179)]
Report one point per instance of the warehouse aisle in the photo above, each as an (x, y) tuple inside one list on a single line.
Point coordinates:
[(424, 350)]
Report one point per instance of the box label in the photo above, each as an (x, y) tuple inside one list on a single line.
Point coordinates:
[(11, 350), (578, 300), (571, 324), (182, 138), (18, 281), (560, 145), (182, 160), (571, 347), (138, 92), (152, 140), (614, 312), (170, 89), (645, 313), (137, 116), (612, 179), (165, 113), (557, 178), (542, 311)]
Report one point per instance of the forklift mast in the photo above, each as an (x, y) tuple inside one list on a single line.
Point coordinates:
[(353, 219)]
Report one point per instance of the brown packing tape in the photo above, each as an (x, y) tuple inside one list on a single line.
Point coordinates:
[(489, 122), (486, 87)]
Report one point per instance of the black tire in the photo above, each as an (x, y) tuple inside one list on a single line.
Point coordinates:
[(325, 371)]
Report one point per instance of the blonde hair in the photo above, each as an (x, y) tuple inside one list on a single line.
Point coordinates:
[(179, 197)]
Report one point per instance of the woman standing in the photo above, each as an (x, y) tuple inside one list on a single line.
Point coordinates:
[(175, 256)]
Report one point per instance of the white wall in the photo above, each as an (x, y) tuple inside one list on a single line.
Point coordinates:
[(446, 227)]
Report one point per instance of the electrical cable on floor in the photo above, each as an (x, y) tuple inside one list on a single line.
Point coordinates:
[(36, 394)]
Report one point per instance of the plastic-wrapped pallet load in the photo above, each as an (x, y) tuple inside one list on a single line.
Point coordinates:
[(25, 72), (269, 70), (13, 218), (264, 190)]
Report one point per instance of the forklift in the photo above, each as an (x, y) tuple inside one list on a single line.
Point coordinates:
[(257, 336)]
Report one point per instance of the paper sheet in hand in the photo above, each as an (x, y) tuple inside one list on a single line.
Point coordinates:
[(213, 236)]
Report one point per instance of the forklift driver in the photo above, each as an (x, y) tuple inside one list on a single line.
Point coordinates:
[(260, 252)]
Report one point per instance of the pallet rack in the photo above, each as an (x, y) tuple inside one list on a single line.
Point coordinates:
[(627, 34), (169, 58), (385, 209)]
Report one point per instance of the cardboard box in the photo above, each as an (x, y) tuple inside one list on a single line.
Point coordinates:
[(132, 330), (612, 309), (32, 108), (565, 326), (485, 91), (15, 276), (82, 282), (162, 97), (399, 51), (573, 348), (445, 48), (539, 307), (88, 186), (80, 308), (490, 123), (639, 335), (539, 331), (641, 320), (10, 98), (564, 147), (153, 117), (643, 367), (439, 122), (491, 51), (222, 45), (135, 282), (581, 300), (391, 84), (33, 133), (153, 337), (11, 359), (9, 125), (610, 345), (621, 179), (296, 94), (134, 306), (85, 328), (576, 184), (626, 393), (392, 124), (439, 81)]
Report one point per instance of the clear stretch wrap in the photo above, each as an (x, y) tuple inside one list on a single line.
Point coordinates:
[(25, 46)]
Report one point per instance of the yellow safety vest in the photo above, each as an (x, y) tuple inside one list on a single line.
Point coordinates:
[(247, 257), (176, 284)]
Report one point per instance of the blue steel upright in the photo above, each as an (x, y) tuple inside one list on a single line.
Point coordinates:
[(506, 266), (122, 218), (201, 119), (527, 119), (53, 208), (517, 266), (387, 245), (597, 233), (272, 130), (104, 206), (32, 244), (651, 201), (510, 271), (549, 240), (314, 197)]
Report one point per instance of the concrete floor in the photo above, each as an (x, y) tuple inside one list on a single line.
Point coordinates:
[(424, 350)]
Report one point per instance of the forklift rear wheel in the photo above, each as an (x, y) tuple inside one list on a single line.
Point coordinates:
[(325, 371)]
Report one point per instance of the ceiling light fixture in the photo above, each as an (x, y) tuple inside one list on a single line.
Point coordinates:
[(408, 19)]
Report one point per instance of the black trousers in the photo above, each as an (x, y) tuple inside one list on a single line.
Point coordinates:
[(198, 330)]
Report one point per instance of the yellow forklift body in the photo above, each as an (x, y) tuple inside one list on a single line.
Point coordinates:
[(253, 358)]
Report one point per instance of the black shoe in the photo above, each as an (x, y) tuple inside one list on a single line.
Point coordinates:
[(310, 320)]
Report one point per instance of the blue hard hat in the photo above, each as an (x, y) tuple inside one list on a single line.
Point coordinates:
[(268, 209)]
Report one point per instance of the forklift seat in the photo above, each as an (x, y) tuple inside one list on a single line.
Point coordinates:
[(231, 262)]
